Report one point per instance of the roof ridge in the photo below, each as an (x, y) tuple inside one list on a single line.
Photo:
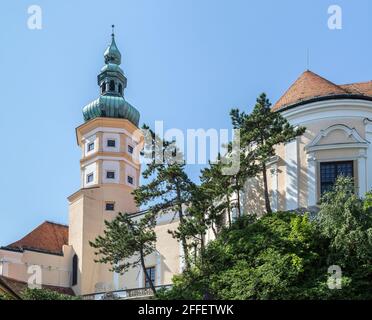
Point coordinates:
[(354, 83), (307, 86), (325, 79), (56, 223)]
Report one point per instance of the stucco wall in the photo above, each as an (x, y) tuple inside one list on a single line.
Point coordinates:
[(298, 180), (54, 270)]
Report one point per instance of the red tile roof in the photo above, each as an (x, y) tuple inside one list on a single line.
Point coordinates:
[(49, 237), (364, 88), (310, 86)]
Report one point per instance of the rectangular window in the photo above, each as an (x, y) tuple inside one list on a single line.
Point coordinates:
[(110, 206), (110, 174), (91, 146), (130, 180), (90, 177), (111, 143), (130, 149), (330, 171), (151, 273)]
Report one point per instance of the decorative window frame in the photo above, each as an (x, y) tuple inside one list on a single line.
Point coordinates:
[(350, 132), (313, 166)]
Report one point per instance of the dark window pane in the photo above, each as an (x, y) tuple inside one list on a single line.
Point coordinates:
[(110, 175), (120, 88), (90, 177), (74, 270), (151, 274), (130, 180), (110, 206), (111, 143), (130, 149), (91, 146), (330, 171), (112, 85)]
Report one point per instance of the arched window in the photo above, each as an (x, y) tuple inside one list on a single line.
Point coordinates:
[(120, 88), (74, 270), (112, 85), (103, 87)]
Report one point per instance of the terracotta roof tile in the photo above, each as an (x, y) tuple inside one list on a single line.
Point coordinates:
[(310, 86), (48, 237), (364, 88)]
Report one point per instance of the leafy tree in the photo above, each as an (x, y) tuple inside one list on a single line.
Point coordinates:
[(254, 259), (126, 242), (169, 188), (45, 294), (346, 220), (260, 132), (284, 256)]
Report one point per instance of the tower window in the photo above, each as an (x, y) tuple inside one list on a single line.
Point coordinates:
[(112, 85), (90, 178), (74, 270), (91, 146), (110, 174), (103, 87), (111, 143), (120, 88), (130, 180), (110, 206), (130, 149), (151, 274)]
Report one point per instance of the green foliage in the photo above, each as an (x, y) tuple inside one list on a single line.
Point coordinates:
[(4, 296), (167, 187), (125, 241), (45, 294), (286, 255), (347, 221)]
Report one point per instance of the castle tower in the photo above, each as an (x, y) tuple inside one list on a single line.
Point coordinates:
[(109, 171)]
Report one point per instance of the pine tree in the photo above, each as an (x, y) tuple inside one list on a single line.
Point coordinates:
[(218, 189), (168, 188), (260, 132), (126, 242)]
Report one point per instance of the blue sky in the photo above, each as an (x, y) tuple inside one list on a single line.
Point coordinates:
[(188, 62)]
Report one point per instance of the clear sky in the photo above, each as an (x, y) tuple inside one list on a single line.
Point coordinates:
[(188, 62)]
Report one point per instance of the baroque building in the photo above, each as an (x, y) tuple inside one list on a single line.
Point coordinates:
[(338, 140), (110, 170)]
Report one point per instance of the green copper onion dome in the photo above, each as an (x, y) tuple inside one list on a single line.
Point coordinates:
[(112, 82)]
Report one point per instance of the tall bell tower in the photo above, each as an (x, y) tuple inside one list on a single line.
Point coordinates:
[(109, 169)]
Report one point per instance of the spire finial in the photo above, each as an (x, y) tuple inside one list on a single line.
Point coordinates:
[(308, 59), (113, 30)]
